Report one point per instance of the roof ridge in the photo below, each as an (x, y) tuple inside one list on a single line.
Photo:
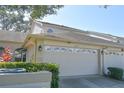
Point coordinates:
[(85, 31)]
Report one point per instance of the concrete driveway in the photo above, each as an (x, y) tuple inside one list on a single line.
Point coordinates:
[(91, 81)]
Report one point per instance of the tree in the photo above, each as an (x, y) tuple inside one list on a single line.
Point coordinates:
[(17, 17), (104, 6)]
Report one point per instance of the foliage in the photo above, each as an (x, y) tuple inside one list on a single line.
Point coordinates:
[(116, 73), (17, 17), (34, 67), (5, 55)]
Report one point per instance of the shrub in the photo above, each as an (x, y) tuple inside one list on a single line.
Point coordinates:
[(116, 73), (34, 67)]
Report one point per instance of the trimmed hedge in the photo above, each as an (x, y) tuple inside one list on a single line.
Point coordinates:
[(35, 67), (116, 73)]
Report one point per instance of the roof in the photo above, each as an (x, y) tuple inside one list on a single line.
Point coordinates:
[(66, 34), (109, 36), (82, 36), (9, 36)]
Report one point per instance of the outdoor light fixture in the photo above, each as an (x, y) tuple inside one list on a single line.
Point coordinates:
[(40, 48), (122, 49), (102, 52)]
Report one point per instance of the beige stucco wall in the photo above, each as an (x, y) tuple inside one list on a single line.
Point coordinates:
[(30, 54), (39, 54), (42, 56), (64, 37), (97, 61), (12, 36), (108, 60), (77, 60), (31, 50), (11, 45), (67, 44)]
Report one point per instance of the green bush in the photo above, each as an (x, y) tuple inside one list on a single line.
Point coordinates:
[(34, 67), (116, 73)]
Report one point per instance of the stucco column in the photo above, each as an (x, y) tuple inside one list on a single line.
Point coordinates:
[(35, 51), (39, 54), (101, 61)]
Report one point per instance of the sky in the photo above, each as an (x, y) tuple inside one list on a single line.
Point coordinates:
[(91, 18)]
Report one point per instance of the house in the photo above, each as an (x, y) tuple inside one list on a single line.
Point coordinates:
[(77, 52), (11, 40)]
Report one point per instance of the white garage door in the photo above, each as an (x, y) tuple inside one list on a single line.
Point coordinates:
[(72, 61)]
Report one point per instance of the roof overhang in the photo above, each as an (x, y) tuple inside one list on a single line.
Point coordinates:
[(48, 37)]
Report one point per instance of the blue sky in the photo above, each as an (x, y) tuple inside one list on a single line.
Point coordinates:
[(91, 18)]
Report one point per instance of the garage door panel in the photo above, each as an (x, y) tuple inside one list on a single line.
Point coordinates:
[(71, 63)]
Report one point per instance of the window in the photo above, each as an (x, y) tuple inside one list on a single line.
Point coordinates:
[(68, 49)]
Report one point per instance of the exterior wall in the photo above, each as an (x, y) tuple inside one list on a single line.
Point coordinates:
[(64, 34), (104, 61), (37, 29), (77, 60), (113, 59), (11, 45), (30, 54), (31, 51), (39, 54), (67, 44), (26, 80), (59, 43), (12, 36)]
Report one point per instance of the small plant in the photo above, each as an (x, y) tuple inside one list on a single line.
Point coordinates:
[(116, 73), (34, 67)]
